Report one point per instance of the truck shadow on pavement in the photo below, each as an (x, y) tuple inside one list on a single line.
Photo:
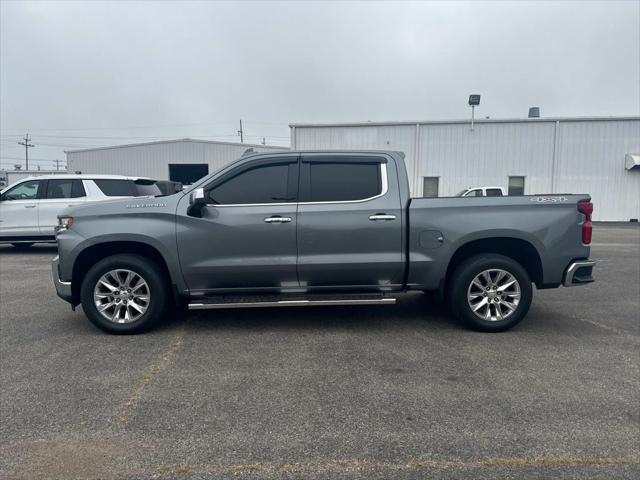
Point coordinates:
[(412, 311)]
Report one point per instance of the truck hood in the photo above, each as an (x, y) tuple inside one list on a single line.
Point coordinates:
[(125, 206)]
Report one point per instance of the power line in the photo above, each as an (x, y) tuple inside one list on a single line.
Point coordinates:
[(124, 136), (172, 137), (32, 159), (127, 127)]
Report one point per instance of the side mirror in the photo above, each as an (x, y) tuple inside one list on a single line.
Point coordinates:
[(197, 200), (197, 197)]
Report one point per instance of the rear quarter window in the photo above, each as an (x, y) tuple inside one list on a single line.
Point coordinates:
[(116, 188), (146, 187)]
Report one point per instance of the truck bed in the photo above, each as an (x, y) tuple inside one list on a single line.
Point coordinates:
[(439, 227)]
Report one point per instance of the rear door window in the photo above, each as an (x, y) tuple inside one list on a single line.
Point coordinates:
[(494, 192), (340, 179), (66, 188)]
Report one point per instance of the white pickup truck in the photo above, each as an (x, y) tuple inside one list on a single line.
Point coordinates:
[(482, 192)]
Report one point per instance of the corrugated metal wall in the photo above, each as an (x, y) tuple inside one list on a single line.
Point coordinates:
[(591, 159), (555, 156), (153, 159)]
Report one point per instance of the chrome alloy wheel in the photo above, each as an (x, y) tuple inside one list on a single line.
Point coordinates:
[(493, 295), (121, 296)]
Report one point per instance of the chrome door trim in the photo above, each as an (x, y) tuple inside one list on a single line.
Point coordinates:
[(385, 189)]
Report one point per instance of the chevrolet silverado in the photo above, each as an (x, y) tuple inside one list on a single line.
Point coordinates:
[(317, 228)]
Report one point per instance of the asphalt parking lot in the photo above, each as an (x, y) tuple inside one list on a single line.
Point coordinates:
[(357, 392)]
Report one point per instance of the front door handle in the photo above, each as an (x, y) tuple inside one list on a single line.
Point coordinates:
[(277, 219), (381, 216), (29, 206)]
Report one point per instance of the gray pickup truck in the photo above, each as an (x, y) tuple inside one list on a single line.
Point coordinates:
[(317, 228)]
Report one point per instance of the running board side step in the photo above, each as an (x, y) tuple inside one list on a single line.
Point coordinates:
[(210, 305)]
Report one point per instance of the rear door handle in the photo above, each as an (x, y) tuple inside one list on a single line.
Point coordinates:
[(277, 219), (29, 206), (381, 216)]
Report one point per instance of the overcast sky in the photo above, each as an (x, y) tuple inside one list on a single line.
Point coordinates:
[(74, 73)]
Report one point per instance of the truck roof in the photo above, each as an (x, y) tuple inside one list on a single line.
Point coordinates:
[(340, 151)]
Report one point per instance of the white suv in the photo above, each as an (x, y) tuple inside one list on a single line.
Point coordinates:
[(29, 209)]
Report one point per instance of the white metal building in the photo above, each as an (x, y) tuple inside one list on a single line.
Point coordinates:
[(9, 177), (540, 155), (183, 160)]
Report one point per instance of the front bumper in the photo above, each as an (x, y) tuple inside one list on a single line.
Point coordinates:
[(63, 289), (579, 272)]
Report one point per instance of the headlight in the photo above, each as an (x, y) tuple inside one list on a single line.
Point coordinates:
[(64, 223)]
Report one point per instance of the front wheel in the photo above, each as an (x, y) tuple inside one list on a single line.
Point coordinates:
[(490, 292), (124, 294)]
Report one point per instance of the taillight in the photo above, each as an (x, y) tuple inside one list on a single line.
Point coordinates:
[(586, 208)]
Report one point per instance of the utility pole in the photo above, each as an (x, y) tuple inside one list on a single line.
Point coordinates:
[(27, 145), (264, 141), (241, 133), (57, 164)]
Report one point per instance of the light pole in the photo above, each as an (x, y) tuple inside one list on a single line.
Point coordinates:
[(474, 100)]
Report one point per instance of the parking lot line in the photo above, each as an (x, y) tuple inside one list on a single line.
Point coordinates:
[(152, 373)]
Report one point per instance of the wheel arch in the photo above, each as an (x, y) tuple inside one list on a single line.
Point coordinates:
[(520, 250), (92, 254)]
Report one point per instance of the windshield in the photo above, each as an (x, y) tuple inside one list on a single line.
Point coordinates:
[(461, 192)]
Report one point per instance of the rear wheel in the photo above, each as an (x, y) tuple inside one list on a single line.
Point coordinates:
[(124, 294), (490, 292)]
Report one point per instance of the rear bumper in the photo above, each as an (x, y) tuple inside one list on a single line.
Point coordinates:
[(579, 272), (63, 289)]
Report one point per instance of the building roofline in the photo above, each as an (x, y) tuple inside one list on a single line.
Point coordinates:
[(194, 140), (40, 172), (462, 121)]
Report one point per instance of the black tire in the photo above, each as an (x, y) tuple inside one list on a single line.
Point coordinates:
[(152, 274), (460, 284), (22, 246)]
